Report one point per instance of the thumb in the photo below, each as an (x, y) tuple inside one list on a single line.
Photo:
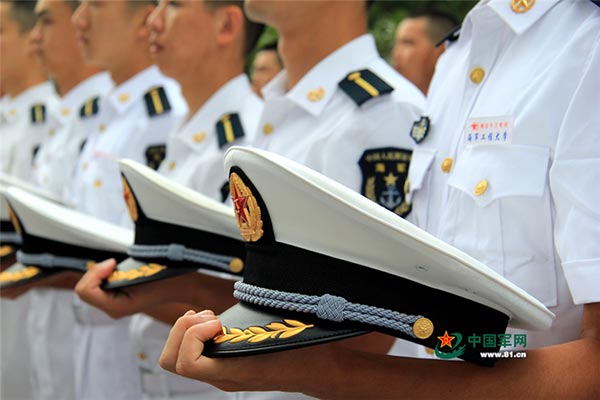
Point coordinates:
[(93, 278)]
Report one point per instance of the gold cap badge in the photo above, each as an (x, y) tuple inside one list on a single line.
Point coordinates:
[(129, 200), (247, 212)]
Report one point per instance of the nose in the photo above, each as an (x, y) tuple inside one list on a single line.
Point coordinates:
[(35, 35), (155, 21), (79, 17)]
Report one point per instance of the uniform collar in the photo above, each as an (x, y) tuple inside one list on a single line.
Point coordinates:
[(228, 99), (95, 85), (129, 92), (320, 83), (35, 94), (40, 93), (518, 22)]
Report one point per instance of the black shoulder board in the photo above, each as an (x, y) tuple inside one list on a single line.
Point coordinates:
[(229, 128), (38, 113), (596, 2), (384, 176), (224, 191), (89, 108), (155, 155), (157, 102), (364, 85), (452, 36)]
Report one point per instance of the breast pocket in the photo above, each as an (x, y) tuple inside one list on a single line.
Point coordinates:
[(500, 202)]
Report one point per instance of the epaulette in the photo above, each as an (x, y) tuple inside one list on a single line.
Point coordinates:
[(89, 108), (157, 102), (229, 128), (452, 36), (364, 85), (155, 155), (38, 113)]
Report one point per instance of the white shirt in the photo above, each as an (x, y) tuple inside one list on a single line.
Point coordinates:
[(25, 119), (55, 161), (194, 159), (50, 320), (331, 133), (536, 217), (126, 129)]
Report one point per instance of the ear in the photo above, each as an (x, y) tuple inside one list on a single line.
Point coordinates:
[(230, 25), (141, 17)]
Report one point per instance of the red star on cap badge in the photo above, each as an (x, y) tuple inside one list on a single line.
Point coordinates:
[(446, 340), (239, 202)]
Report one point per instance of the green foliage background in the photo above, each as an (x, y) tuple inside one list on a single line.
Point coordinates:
[(384, 16)]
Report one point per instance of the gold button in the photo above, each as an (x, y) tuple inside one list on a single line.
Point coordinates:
[(477, 75), (199, 137), (171, 165), (51, 132), (12, 112), (101, 127), (267, 129), (423, 328), (97, 183), (142, 355), (236, 265), (447, 164), (521, 6), (315, 95), (84, 166), (123, 97), (65, 112), (481, 187)]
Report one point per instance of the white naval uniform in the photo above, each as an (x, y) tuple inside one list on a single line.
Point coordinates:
[(50, 320), (195, 159), (525, 203), (18, 138), (20, 135), (105, 366), (330, 133)]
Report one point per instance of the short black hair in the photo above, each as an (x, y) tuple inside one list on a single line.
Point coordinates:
[(22, 12), (439, 22), (252, 30)]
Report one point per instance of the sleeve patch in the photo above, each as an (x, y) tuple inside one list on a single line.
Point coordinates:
[(363, 86), (155, 155), (384, 177)]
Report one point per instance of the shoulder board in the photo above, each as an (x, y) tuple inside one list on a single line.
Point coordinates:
[(38, 113), (596, 2), (363, 86), (155, 155), (157, 102), (89, 108), (229, 128), (452, 36)]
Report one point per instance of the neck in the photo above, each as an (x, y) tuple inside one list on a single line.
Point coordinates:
[(124, 69), (67, 80), (14, 87), (198, 87), (301, 49)]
